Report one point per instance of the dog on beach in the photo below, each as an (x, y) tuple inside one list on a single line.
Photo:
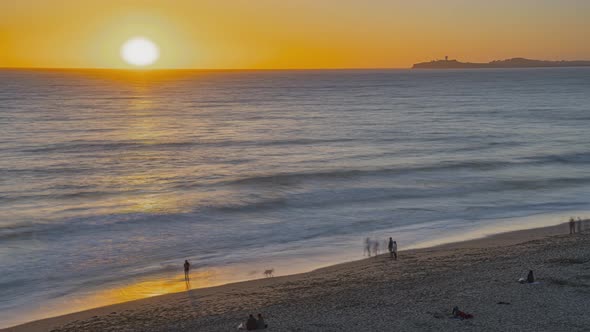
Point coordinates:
[(269, 273)]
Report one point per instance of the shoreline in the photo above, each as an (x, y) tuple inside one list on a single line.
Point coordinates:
[(501, 240)]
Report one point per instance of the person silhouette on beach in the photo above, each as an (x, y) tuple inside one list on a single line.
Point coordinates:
[(572, 225), (187, 267), (530, 278), (368, 246), (579, 225), (390, 247), (375, 248), (260, 323), (251, 323)]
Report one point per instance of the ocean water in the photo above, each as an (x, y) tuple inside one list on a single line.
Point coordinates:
[(110, 179)]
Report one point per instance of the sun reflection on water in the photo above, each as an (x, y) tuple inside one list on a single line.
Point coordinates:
[(149, 288), (144, 289)]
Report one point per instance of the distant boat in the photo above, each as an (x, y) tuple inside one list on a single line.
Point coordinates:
[(509, 63)]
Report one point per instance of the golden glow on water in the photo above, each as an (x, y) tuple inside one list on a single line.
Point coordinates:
[(144, 126), (150, 288), (156, 204), (129, 292)]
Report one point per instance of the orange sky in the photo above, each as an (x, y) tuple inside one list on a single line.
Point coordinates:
[(290, 34)]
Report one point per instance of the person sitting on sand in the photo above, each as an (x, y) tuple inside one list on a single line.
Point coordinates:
[(251, 323), (260, 323), (530, 278)]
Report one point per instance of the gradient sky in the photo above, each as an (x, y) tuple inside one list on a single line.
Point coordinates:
[(291, 34)]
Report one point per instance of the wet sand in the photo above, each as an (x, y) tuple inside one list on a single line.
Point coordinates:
[(415, 293)]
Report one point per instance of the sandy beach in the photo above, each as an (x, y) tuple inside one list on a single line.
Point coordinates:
[(415, 293)]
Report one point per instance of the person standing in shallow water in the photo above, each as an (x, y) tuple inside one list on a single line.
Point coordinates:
[(187, 267)]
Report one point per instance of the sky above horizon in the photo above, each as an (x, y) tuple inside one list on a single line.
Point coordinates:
[(214, 34)]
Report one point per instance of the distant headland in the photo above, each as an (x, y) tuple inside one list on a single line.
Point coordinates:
[(509, 63)]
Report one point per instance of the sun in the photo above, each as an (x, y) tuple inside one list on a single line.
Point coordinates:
[(140, 51)]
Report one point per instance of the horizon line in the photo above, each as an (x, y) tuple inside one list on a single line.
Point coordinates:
[(201, 69)]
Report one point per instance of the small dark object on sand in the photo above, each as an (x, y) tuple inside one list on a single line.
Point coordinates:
[(530, 278), (502, 302), (461, 314)]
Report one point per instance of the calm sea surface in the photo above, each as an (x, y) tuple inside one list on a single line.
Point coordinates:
[(109, 180)]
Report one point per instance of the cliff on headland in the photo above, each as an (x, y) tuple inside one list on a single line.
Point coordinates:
[(509, 63)]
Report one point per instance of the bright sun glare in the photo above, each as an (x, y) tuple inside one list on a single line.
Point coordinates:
[(140, 52)]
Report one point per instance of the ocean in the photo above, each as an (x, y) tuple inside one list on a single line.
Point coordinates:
[(109, 180)]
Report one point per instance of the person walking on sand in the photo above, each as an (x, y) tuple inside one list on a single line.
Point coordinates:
[(187, 267), (390, 247), (393, 248), (572, 225), (367, 247), (376, 248)]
